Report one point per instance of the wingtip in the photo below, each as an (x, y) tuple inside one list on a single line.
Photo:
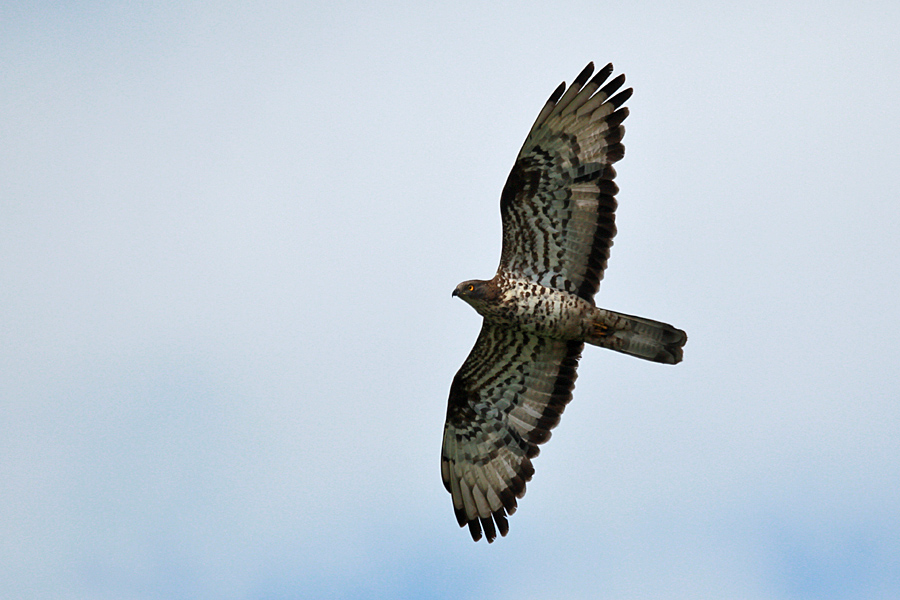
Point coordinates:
[(603, 74), (610, 88), (557, 93), (584, 75), (475, 529), (621, 98)]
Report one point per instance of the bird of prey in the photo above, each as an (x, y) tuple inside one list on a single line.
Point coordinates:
[(558, 212)]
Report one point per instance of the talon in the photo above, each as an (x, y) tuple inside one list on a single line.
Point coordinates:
[(601, 329)]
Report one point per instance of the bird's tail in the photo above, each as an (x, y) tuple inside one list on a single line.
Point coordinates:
[(643, 338)]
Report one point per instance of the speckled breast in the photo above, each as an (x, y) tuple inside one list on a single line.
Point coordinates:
[(540, 309)]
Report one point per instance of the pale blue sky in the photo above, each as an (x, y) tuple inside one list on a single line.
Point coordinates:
[(228, 237)]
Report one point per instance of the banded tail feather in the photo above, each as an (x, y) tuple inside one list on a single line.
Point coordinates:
[(637, 336)]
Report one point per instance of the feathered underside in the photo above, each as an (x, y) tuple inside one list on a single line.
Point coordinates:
[(508, 395), (558, 204), (558, 211)]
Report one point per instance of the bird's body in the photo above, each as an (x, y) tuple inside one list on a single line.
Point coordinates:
[(558, 210), (531, 307), (562, 315)]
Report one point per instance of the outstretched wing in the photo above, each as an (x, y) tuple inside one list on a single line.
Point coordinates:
[(505, 399), (558, 205)]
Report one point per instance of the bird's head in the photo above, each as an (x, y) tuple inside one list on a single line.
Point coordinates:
[(476, 291)]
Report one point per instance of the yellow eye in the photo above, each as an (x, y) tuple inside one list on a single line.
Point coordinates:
[(470, 287)]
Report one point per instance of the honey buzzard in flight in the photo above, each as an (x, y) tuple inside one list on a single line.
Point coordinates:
[(558, 212)]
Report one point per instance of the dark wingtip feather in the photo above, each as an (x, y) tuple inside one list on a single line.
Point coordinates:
[(615, 119), (538, 436), (557, 93), (489, 532), (502, 523), (615, 152), (621, 98), (475, 529), (583, 76), (614, 136), (613, 85), (508, 499), (607, 187), (602, 74)]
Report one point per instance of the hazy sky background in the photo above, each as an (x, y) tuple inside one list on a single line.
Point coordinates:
[(228, 237)]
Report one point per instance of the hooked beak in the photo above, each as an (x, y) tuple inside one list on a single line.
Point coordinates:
[(455, 293)]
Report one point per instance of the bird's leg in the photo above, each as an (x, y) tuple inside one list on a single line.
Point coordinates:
[(601, 330)]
